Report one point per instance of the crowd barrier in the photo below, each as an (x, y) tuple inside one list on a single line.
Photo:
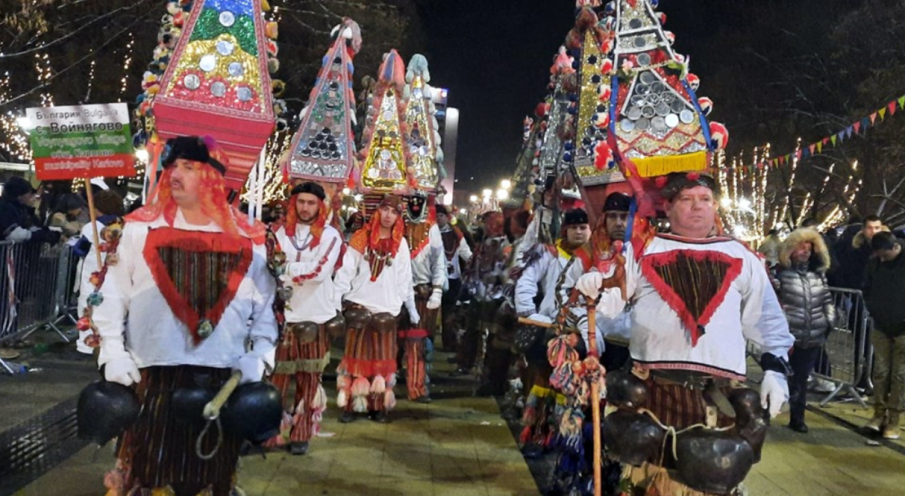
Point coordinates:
[(847, 356), (36, 290)]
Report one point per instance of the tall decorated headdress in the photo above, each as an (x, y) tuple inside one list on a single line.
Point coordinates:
[(217, 82), (384, 152), (323, 148), (425, 164), (636, 113)]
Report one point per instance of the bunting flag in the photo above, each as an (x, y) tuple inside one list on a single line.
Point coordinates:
[(855, 128)]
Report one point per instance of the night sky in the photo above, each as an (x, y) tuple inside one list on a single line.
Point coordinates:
[(495, 56)]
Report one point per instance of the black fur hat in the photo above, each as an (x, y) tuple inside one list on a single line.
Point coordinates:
[(311, 188), (190, 148), (575, 216), (617, 202)]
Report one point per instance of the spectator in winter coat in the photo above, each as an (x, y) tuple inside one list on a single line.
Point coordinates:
[(17, 216), (808, 305), (884, 293), (853, 251)]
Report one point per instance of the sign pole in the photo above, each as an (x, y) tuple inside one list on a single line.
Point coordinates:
[(93, 215)]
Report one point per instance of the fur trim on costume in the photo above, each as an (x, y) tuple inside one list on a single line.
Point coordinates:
[(342, 399), (820, 255), (389, 400)]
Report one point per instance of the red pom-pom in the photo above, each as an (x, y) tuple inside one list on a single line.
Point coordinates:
[(603, 155), (660, 182), (617, 246), (693, 176)]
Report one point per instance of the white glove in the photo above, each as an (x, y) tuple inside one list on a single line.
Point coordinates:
[(589, 284), (414, 318), (774, 391), (122, 370), (252, 368), (433, 302), (539, 317), (18, 235)]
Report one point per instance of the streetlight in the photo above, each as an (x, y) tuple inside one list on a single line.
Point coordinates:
[(506, 184), (473, 198), (487, 193), (502, 194)]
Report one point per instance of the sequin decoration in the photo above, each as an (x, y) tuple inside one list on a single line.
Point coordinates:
[(244, 7), (227, 19), (198, 51), (242, 32), (225, 48), (218, 89), (385, 165), (205, 93), (191, 81), (208, 63), (587, 135), (321, 149), (420, 140), (235, 69), (243, 93)]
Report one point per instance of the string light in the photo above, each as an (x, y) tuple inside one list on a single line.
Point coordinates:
[(127, 63), (90, 81), (16, 144), (45, 74), (274, 188)]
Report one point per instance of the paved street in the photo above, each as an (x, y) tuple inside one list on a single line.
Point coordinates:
[(457, 445)]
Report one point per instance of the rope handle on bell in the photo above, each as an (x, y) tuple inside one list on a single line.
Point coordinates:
[(672, 432), (211, 413)]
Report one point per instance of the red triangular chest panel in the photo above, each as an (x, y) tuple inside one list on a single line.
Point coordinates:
[(692, 282), (198, 273)]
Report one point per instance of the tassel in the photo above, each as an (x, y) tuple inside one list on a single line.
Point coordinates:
[(378, 385), (342, 399), (389, 400), (319, 402), (359, 404), (529, 415), (360, 387), (525, 437)]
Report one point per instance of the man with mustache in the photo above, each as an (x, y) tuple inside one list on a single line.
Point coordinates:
[(311, 248), (696, 297), (187, 299)]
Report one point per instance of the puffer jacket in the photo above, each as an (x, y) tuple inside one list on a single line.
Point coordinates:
[(803, 291)]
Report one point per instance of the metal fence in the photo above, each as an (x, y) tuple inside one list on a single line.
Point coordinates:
[(847, 356), (36, 290)]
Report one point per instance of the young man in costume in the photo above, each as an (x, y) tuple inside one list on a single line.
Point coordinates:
[(696, 297), (485, 282), (455, 252), (188, 300), (429, 278), (610, 229), (375, 281), (311, 248), (541, 280)]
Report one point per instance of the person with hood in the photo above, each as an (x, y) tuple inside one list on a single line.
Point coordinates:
[(808, 305), (884, 293)]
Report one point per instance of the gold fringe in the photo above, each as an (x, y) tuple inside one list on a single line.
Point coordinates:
[(657, 481), (662, 165), (310, 366)]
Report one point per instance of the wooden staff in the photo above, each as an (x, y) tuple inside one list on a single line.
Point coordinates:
[(595, 397), (536, 323), (92, 214), (212, 408)]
